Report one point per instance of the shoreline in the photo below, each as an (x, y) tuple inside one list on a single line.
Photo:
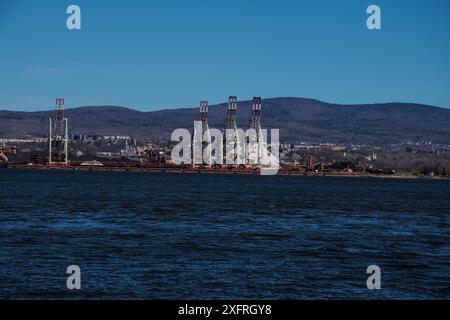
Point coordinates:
[(190, 170)]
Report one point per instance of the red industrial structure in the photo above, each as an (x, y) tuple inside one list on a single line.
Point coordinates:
[(230, 122), (202, 137), (255, 122), (255, 148), (236, 152), (203, 116), (4, 151), (231, 137), (58, 138)]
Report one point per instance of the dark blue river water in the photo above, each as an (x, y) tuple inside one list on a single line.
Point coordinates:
[(188, 236)]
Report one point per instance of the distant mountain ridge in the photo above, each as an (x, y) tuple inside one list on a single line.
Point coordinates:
[(299, 119)]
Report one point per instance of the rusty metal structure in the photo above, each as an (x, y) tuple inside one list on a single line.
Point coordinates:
[(4, 152), (150, 154), (231, 132), (313, 164), (230, 122), (255, 123), (202, 137), (58, 136), (236, 151)]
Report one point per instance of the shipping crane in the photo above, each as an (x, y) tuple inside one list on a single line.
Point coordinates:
[(132, 151), (149, 154), (58, 151)]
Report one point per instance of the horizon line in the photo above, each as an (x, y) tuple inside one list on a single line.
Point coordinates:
[(222, 103)]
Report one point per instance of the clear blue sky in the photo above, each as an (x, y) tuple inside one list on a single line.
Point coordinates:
[(153, 54)]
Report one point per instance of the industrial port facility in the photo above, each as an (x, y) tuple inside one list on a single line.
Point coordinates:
[(62, 149), (149, 157)]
